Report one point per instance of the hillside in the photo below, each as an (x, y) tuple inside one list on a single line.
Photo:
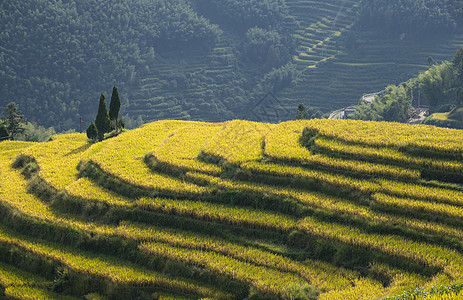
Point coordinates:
[(188, 210), (210, 60)]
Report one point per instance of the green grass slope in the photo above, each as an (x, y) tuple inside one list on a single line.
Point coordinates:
[(189, 210)]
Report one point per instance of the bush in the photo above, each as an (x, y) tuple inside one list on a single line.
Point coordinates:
[(92, 131)]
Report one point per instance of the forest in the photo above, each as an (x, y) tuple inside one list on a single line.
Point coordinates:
[(205, 60)]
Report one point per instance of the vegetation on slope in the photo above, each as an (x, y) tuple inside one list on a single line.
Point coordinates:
[(210, 60), (300, 208)]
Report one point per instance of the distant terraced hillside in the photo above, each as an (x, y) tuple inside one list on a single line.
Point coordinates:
[(335, 73), (200, 60), (188, 210)]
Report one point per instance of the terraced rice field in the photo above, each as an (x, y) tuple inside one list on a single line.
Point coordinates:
[(187, 210), (335, 74)]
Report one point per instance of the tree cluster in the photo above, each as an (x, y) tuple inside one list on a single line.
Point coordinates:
[(392, 105), (415, 18), (440, 88), (246, 14), (106, 121), (307, 114)]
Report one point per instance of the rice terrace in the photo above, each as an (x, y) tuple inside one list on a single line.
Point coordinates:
[(188, 210)]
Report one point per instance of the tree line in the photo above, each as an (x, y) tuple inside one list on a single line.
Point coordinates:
[(440, 88), (414, 18)]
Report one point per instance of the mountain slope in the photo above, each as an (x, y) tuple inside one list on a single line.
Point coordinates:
[(199, 60)]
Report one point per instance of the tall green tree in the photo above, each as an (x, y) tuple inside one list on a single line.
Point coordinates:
[(13, 120), (114, 107), (4, 134), (102, 121)]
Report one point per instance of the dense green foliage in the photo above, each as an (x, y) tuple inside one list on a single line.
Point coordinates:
[(102, 121), (92, 131), (114, 105), (4, 134), (392, 105), (439, 88), (13, 120), (206, 59), (60, 53), (246, 14), (415, 18)]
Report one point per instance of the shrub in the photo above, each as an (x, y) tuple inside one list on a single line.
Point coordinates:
[(92, 131)]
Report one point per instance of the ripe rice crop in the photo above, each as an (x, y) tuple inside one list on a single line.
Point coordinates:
[(238, 142), (307, 210), (372, 153), (121, 159), (58, 158), (267, 280), (116, 270), (182, 147), (220, 213), (391, 134), (11, 276), (282, 144)]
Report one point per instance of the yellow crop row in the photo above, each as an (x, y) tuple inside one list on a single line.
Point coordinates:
[(321, 275), (34, 210), (182, 147), (267, 280), (362, 290), (42, 213), (340, 206), (391, 134), (34, 293), (86, 189), (305, 173), (408, 204), (386, 153), (15, 195), (449, 261), (116, 270), (220, 213), (11, 276), (14, 145), (123, 157), (282, 143), (58, 158), (238, 142), (421, 192)]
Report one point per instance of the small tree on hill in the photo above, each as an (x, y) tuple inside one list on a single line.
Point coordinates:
[(301, 112), (4, 134), (13, 120), (114, 107), (102, 121), (92, 131), (306, 114)]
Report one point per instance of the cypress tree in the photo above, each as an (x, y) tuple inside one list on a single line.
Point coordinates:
[(4, 134), (102, 118), (92, 131), (114, 105)]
